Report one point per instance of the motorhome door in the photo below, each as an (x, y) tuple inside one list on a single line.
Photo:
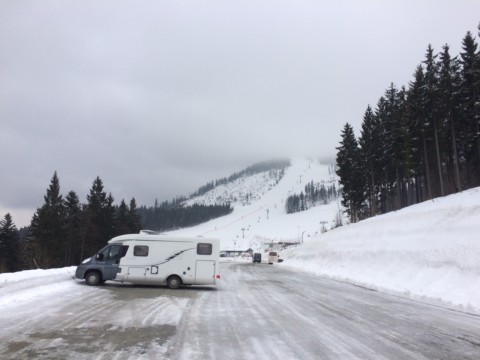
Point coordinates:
[(205, 272)]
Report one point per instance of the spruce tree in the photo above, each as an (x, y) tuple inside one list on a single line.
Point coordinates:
[(121, 219), (370, 146), (432, 111), (390, 114), (449, 109), (351, 178), (470, 90), (48, 229), (74, 229), (99, 218), (418, 128), (133, 217), (9, 245)]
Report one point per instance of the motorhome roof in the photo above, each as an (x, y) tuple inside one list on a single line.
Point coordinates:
[(151, 232), (162, 237)]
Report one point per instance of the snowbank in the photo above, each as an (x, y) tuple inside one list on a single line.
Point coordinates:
[(430, 251), (25, 285)]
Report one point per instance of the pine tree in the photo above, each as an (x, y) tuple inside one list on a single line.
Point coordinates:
[(393, 131), (470, 90), (418, 127), (99, 218), (122, 219), (48, 229), (350, 175), (449, 109), (74, 229), (109, 218), (370, 145), (432, 110), (133, 217), (9, 245)]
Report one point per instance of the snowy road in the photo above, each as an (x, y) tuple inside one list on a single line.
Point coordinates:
[(267, 312), (259, 311)]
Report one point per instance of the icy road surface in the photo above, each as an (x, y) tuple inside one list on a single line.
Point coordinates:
[(259, 311)]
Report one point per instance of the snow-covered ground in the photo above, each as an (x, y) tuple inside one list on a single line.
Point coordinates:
[(429, 252)]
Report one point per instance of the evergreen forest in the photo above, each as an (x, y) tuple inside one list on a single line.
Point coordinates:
[(315, 194), (419, 142), (169, 216), (63, 231)]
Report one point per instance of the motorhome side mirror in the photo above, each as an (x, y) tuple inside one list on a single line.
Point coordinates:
[(99, 256)]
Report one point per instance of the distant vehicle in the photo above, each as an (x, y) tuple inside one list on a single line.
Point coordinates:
[(257, 258), (272, 257), (154, 259)]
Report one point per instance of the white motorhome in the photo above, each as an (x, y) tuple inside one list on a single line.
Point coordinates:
[(272, 257), (154, 259)]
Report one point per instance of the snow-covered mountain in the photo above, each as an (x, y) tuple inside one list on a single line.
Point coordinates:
[(259, 215), (429, 251)]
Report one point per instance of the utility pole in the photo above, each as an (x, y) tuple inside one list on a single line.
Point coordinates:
[(234, 253)]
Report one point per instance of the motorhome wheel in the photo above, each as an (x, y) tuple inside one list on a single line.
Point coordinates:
[(93, 278), (174, 282)]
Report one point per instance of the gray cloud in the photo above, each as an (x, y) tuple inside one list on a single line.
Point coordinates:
[(158, 98)]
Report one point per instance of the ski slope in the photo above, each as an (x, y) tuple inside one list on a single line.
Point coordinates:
[(264, 219)]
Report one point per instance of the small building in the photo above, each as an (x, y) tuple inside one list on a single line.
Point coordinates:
[(236, 253)]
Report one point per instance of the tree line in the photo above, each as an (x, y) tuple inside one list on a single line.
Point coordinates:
[(64, 231), (315, 194), (257, 168), (419, 142), (169, 216)]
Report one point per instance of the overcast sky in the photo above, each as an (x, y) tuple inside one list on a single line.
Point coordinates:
[(159, 97)]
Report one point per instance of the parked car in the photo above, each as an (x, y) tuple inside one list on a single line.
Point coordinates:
[(257, 258)]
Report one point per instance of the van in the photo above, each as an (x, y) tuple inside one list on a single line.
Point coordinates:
[(154, 259), (257, 258), (272, 257)]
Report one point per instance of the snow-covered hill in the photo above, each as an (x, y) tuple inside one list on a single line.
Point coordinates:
[(259, 215), (430, 251)]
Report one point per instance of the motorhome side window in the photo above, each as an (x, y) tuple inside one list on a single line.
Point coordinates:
[(140, 250), (204, 249)]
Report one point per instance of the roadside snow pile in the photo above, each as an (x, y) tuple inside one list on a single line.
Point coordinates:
[(31, 275), (430, 251), (29, 284)]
